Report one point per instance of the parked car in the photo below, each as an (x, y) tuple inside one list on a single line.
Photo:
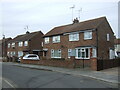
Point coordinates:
[(31, 56)]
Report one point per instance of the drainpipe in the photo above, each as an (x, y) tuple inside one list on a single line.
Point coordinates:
[(97, 42)]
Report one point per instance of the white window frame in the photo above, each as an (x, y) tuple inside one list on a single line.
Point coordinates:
[(94, 52), (87, 35), (13, 44), (53, 53), (108, 37), (25, 43), (69, 52), (74, 37), (20, 44), (84, 52), (56, 39), (20, 53), (46, 40), (9, 45)]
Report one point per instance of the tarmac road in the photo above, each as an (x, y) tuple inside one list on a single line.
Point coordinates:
[(19, 77)]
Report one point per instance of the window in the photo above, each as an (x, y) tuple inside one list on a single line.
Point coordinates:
[(56, 39), (42, 44), (74, 37), (46, 40), (8, 45), (71, 52), (20, 44), (108, 37), (87, 35), (13, 53), (8, 53), (55, 53), (94, 52), (13, 44), (20, 53), (82, 53), (26, 43)]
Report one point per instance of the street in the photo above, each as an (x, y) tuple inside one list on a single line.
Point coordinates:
[(19, 77)]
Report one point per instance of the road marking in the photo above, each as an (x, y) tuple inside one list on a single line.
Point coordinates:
[(8, 83)]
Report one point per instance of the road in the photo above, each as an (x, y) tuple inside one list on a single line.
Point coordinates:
[(19, 77)]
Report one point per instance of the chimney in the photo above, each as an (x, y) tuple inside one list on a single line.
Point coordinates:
[(75, 21), (27, 32)]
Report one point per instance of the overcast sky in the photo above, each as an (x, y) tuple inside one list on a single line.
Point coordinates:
[(44, 15)]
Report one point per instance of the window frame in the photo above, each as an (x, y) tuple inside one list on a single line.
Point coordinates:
[(46, 40), (9, 45), (54, 39), (74, 36), (20, 44), (88, 37), (13, 44), (82, 52), (53, 53), (108, 37), (25, 43)]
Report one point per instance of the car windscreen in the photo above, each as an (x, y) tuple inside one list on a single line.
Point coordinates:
[(32, 56)]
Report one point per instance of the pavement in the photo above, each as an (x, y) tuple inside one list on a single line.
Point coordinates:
[(108, 75)]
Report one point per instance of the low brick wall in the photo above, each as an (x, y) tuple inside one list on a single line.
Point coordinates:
[(56, 63), (71, 63)]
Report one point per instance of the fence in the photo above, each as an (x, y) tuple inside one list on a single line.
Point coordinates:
[(105, 64)]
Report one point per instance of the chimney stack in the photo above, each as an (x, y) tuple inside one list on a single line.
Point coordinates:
[(27, 32), (75, 21)]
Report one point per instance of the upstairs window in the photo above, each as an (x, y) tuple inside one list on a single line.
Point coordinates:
[(8, 45), (74, 37), (13, 44), (108, 37), (20, 44), (56, 39), (26, 43), (46, 40), (87, 35)]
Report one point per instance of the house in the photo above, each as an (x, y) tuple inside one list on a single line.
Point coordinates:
[(26, 43), (117, 46), (84, 40), (3, 48)]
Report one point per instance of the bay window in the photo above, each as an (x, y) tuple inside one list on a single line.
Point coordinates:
[(82, 53)]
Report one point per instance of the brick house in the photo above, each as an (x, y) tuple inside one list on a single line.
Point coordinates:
[(26, 43), (3, 48), (92, 39)]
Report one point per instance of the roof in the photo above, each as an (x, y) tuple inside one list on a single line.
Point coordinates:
[(4, 40), (89, 24), (24, 37)]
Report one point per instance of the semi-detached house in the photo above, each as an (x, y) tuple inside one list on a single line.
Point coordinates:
[(84, 40), (26, 43)]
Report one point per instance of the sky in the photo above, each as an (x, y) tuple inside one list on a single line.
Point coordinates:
[(44, 15)]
